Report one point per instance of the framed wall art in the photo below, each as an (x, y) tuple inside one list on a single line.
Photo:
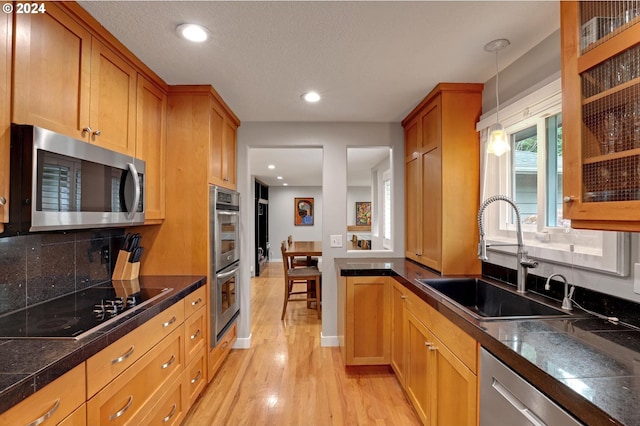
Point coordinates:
[(303, 212), (363, 213)]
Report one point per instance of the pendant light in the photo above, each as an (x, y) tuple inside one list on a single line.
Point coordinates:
[(498, 141)]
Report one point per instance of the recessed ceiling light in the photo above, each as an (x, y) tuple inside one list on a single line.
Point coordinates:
[(279, 177), (311, 97), (285, 184), (193, 32), (271, 166)]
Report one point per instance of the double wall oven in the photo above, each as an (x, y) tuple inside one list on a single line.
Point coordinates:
[(224, 232)]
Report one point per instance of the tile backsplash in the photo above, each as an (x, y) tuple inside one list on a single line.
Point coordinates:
[(38, 267)]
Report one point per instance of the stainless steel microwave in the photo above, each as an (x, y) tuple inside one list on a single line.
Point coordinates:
[(60, 183)]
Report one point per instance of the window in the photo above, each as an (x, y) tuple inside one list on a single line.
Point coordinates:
[(386, 231), (532, 176)]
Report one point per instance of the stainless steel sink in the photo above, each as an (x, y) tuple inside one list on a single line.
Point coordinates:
[(487, 301)]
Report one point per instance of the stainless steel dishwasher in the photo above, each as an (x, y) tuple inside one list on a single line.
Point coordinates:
[(507, 399)]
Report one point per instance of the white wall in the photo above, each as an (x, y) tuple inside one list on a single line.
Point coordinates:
[(281, 216), (333, 138)]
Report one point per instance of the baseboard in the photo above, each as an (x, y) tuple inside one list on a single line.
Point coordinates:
[(328, 341), (242, 343)]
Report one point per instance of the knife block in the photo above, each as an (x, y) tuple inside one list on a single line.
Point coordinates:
[(125, 270)]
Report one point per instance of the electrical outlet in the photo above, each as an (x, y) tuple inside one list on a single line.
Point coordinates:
[(336, 240)]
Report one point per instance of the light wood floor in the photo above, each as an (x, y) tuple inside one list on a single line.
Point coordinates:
[(287, 378)]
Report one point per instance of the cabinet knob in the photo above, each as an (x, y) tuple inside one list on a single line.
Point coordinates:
[(403, 297), (86, 130), (569, 199), (3, 201), (97, 133), (428, 344)]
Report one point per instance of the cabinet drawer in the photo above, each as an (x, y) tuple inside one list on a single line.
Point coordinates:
[(125, 396), (219, 353), (195, 377), (195, 328), (77, 418), (195, 301), (459, 342), (51, 404), (170, 408), (114, 359)]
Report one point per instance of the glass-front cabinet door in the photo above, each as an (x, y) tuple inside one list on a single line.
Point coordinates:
[(601, 109)]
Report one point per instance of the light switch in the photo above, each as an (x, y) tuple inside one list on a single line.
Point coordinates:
[(336, 240)]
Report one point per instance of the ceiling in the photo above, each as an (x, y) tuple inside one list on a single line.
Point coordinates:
[(371, 61)]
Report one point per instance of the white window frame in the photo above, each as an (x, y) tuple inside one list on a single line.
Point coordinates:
[(386, 210), (606, 252)]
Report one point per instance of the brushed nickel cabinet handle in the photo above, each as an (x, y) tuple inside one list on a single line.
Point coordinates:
[(86, 130), (3, 201), (123, 357), (46, 415), (97, 133), (196, 302), (569, 199), (195, 379), (171, 321), (195, 335), (403, 297), (168, 363), (173, 411), (122, 410)]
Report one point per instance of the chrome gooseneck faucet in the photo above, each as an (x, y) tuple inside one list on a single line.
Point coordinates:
[(524, 262), (566, 302)]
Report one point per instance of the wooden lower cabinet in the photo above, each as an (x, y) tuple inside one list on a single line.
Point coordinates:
[(367, 328), (222, 349), (124, 400), (417, 373), (195, 377), (77, 418), (440, 378), (107, 364), (171, 406), (52, 404), (398, 355)]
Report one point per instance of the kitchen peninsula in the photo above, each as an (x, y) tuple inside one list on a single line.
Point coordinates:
[(586, 364)]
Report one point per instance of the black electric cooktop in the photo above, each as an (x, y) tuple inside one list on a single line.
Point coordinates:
[(75, 315)]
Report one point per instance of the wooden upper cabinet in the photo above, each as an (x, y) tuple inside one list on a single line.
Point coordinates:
[(151, 144), (229, 147), (442, 177), (216, 129), (67, 81), (112, 112), (601, 114), (5, 115), (52, 63), (222, 145)]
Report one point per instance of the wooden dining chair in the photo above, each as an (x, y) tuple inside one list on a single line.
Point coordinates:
[(301, 261), (309, 276)]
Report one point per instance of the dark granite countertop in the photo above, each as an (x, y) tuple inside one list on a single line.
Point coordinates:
[(30, 364), (587, 365)]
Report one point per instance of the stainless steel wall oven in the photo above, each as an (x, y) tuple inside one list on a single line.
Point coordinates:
[(224, 232)]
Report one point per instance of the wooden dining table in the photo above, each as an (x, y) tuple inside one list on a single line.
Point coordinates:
[(304, 248)]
